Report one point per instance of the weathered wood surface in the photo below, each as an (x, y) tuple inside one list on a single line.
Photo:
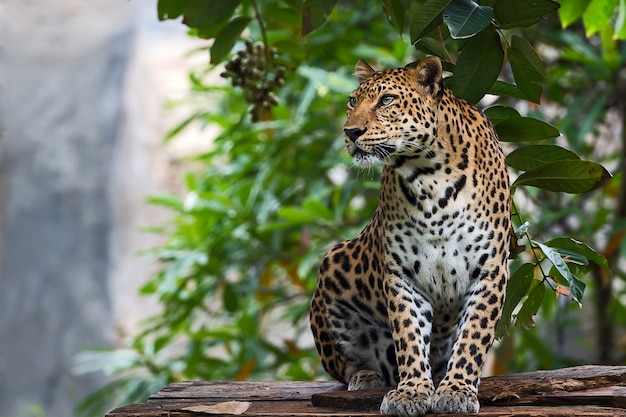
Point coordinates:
[(529, 388), (590, 391)]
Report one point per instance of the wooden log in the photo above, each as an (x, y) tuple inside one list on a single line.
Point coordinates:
[(298, 409), (528, 388), (589, 391), (578, 378), (244, 390)]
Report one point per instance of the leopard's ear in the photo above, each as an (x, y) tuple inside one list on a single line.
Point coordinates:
[(362, 71), (430, 74)]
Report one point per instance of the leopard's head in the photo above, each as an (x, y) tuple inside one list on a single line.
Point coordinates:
[(393, 113)]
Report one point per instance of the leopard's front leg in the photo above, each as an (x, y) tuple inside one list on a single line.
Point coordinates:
[(411, 317), (458, 391)]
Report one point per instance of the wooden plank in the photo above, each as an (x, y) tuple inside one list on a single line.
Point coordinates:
[(263, 409), (354, 400), (298, 408), (573, 392), (605, 396), (245, 390), (577, 378), (523, 389)]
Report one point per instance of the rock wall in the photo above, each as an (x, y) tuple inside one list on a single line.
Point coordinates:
[(82, 92)]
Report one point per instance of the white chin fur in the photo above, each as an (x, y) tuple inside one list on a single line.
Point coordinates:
[(365, 161)]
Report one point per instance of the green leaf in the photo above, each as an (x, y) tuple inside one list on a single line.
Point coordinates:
[(465, 18), (478, 66), (170, 9), (516, 289), (533, 156), (597, 15), (571, 10), (427, 17), (248, 325), (431, 47), (577, 287), (226, 38), (527, 68), (573, 177), (182, 125), (620, 21), (522, 13), (498, 114), (230, 298), (166, 200), (395, 11), (315, 13), (525, 316), (312, 211), (525, 129), (315, 206), (501, 88), (576, 246), (203, 13)]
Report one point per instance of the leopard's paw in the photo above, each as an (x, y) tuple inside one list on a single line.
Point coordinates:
[(405, 403), (452, 401), (365, 379)]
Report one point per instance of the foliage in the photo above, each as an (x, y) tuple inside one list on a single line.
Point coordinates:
[(273, 194), (585, 80)]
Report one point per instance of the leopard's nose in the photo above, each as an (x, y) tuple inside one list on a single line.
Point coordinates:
[(354, 133)]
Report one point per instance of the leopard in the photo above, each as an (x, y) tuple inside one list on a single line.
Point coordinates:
[(412, 302)]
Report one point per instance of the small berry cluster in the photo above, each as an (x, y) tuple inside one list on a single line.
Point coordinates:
[(255, 69)]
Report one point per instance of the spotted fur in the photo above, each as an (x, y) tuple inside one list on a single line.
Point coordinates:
[(413, 300)]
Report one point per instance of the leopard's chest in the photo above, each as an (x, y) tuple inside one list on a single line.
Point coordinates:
[(438, 245)]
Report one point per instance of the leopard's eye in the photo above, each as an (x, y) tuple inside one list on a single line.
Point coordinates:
[(352, 101), (386, 99)]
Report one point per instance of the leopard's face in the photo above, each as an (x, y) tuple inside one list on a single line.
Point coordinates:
[(393, 113)]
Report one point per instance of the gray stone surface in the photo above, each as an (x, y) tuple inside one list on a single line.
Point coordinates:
[(82, 116), (61, 117)]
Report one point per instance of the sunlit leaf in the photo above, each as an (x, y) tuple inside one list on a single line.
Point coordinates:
[(166, 200), (597, 15), (573, 177), (314, 205), (478, 65), (533, 156), (620, 21), (571, 10), (577, 287), (465, 18), (579, 247), (521, 231), (525, 129), (427, 17)]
